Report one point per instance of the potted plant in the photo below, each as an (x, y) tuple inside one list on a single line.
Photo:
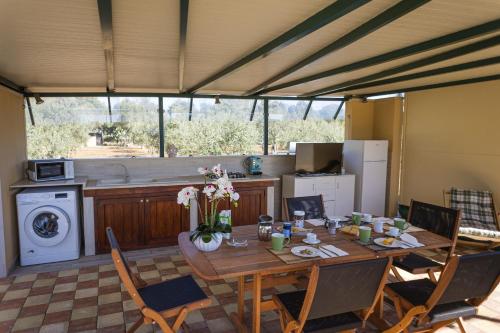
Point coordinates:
[(218, 188)]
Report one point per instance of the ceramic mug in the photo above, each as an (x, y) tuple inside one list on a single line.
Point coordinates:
[(378, 226), (401, 223), (394, 231), (364, 234), (311, 237), (278, 241), (356, 218)]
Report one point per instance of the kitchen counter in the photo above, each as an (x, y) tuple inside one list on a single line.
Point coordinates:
[(93, 184), (26, 183)]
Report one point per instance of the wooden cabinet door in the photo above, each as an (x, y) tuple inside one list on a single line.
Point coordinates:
[(252, 203), (125, 216), (164, 220)]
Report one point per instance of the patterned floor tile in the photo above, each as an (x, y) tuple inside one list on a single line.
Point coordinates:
[(92, 299)]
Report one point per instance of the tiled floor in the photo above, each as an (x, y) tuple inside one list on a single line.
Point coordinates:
[(86, 296)]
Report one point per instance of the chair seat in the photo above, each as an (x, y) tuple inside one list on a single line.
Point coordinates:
[(293, 302), (417, 292), (172, 293), (415, 263), (449, 311)]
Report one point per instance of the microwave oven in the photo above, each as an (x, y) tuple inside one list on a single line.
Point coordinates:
[(55, 169)]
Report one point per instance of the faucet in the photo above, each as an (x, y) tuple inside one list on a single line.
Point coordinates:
[(125, 171)]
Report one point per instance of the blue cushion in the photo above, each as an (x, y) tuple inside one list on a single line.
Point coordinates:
[(172, 293)]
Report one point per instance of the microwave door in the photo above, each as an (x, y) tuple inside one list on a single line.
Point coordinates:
[(48, 171)]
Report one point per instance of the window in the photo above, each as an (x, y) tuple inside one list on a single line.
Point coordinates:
[(83, 127), (215, 129), (287, 124)]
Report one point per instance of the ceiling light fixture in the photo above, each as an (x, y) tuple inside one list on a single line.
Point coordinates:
[(38, 99), (217, 99)]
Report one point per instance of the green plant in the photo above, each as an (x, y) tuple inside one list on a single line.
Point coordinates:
[(219, 190)]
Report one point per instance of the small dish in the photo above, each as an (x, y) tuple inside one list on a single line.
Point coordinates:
[(382, 242), (317, 241), (237, 243), (305, 251)]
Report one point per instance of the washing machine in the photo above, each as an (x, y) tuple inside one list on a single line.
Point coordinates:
[(49, 224)]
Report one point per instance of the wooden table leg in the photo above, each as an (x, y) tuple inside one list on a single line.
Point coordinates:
[(241, 299), (257, 281), (239, 318)]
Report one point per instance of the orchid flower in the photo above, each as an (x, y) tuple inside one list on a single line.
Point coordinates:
[(186, 194)]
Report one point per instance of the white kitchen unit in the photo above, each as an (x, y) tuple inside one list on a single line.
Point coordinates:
[(367, 159), (337, 191)]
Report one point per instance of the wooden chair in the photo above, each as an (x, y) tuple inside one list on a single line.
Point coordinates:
[(465, 283), (478, 212), (339, 298), (172, 299), (439, 220), (313, 206)]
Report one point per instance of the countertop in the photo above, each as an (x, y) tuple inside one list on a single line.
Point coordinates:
[(174, 181), (26, 183), (92, 184)]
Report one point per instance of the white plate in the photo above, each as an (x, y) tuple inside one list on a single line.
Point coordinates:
[(339, 218), (317, 241), (296, 250), (388, 234), (380, 241)]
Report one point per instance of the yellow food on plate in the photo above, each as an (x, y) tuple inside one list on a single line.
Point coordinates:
[(388, 241), (297, 230), (350, 229)]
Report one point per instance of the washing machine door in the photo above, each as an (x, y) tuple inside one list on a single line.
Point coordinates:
[(47, 226)]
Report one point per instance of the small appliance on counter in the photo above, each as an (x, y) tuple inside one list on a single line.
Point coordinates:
[(53, 169), (253, 164)]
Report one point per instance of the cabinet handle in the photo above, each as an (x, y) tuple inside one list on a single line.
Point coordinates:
[(142, 200)]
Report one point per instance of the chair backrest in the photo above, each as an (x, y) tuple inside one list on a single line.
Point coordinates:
[(123, 268), (477, 208), (312, 205), (475, 277), (348, 287), (439, 220)]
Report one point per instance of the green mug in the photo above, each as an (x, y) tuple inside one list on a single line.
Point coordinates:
[(365, 234), (401, 224), (278, 241), (356, 218)]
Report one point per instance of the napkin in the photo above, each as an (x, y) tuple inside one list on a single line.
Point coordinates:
[(336, 250), (323, 255), (410, 240), (316, 222)]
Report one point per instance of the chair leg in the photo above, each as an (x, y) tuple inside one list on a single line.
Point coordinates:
[(396, 273), (461, 325), (402, 325), (180, 319), (136, 325), (432, 277), (185, 328)]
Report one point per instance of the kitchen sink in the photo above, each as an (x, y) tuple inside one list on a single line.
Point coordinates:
[(136, 181)]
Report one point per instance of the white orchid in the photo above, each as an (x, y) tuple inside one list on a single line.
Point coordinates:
[(235, 196), (219, 189), (203, 171), (223, 182), (216, 170), (209, 190), (186, 195)]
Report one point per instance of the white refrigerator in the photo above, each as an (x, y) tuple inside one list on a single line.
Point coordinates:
[(367, 159)]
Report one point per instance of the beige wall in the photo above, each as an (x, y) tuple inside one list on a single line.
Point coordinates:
[(358, 120), (379, 120), (13, 154), (452, 139)]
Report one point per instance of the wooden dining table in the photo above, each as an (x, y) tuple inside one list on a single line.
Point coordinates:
[(267, 269)]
